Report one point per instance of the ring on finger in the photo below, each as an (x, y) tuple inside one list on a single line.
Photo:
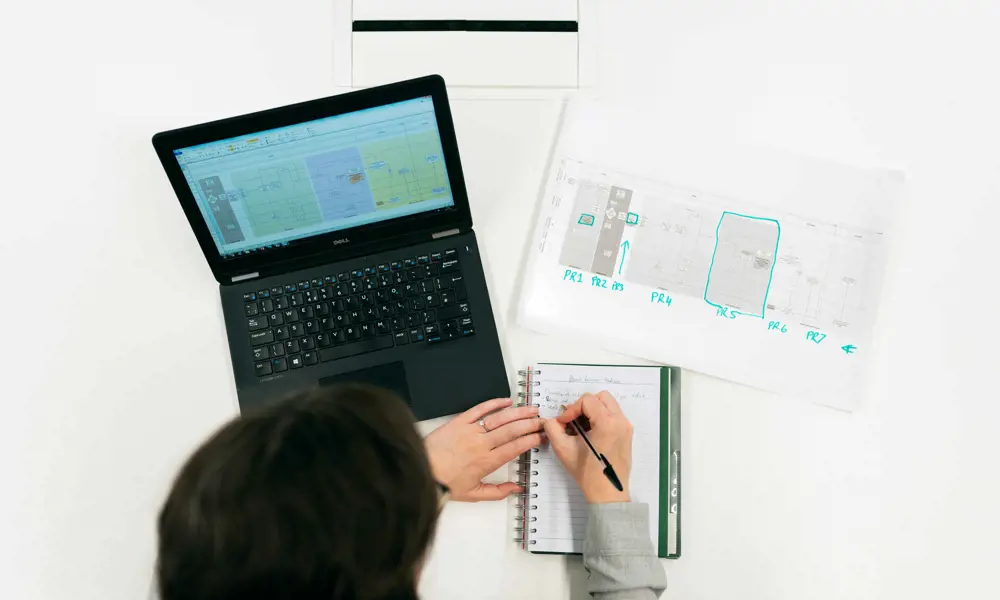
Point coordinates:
[(482, 423)]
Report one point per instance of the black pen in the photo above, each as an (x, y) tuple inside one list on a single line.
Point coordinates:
[(609, 471)]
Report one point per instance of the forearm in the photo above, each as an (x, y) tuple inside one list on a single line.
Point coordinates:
[(619, 555)]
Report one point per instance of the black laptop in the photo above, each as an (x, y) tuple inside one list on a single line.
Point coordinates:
[(340, 233)]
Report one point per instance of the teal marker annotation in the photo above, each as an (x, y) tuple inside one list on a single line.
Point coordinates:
[(660, 298), (777, 326), (571, 275)]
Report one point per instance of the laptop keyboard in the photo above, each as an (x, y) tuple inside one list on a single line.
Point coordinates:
[(414, 300)]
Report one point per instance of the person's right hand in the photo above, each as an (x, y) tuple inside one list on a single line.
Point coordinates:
[(611, 434)]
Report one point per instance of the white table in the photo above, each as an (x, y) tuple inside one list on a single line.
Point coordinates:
[(116, 363)]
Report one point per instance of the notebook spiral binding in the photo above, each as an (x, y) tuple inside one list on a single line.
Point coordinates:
[(523, 521)]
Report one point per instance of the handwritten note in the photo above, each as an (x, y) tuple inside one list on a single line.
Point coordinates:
[(559, 507)]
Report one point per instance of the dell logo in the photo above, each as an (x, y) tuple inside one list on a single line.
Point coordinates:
[(341, 241)]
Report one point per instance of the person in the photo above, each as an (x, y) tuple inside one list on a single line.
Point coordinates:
[(332, 494)]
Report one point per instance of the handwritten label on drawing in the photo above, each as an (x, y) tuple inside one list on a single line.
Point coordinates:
[(849, 349), (815, 336), (571, 275), (725, 313), (598, 281), (660, 298), (777, 326), (617, 287)]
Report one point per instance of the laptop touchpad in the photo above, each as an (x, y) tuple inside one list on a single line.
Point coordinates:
[(391, 376)]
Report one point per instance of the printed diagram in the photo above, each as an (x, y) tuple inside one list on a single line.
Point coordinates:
[(721, 251), (742, 263)]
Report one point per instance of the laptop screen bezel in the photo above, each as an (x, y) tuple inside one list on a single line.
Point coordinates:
[(330, 246)]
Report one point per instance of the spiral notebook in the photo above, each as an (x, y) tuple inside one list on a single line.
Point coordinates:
[(552, 513)]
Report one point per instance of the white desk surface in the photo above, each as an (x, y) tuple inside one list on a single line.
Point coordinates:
[(116, 363)]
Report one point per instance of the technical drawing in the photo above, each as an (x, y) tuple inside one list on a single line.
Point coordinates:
[(742, 263)]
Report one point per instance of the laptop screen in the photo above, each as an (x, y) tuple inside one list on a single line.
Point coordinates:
[(270, 188)]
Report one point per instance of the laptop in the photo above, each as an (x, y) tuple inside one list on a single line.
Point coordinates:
[(340, 233)]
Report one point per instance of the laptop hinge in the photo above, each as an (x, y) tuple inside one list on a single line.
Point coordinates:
[(441, 234), (246, 276)]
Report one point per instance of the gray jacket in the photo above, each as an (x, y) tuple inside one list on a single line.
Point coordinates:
[(619, 555)]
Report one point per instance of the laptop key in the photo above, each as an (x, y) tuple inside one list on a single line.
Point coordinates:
[(431, 329), (250, 308), (382, 296), (370, 313), (371, 284), (367, 299), (297, 329), (451, 253), (324, 339), (449, 326), (277, 350), (449, 266), (381, 342), (442, 283), (448, 298), (276, 290), (423, 259), (401, 307), (309, 358), (312, 326), (298, 299), (308, 343), (295, 361), (261, 369), (401, 338), (281, 303), (249, 296), (398, 323), (261, 353), (413, 275), (417, 303), (343, 276), (292, 346), (396, 265), (368, 330), (436, 257), (290, 315), (306, 312), (432, 270), (432, 300), (321, 309), (417, 335), (257, 323), (281, 333), (382, 326), (352, 333), (261, 337), (339, 337), (410, 262), (267, 305), (279, 365), (454, 311), (428, 316)]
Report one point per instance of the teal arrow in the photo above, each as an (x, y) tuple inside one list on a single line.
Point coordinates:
[(625, 246), (849, 349)]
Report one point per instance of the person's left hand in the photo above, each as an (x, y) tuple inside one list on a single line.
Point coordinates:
[(462, 452)]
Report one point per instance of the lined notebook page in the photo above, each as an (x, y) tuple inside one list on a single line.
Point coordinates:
[(561, 510)]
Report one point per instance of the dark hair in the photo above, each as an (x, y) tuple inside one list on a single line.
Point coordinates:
[(327, 495)]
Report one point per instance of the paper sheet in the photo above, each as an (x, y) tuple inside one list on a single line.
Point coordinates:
[(561, 510), (752, 265)]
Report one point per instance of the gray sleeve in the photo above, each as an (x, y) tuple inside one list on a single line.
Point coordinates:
[(619, 555)]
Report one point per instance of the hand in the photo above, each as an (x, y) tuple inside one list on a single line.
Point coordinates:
[(462, 452), (610, 433)]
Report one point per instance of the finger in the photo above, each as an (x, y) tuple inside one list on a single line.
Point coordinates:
[(558, 438), (511, 450), (484, 408), (491, 491), (510, 431), (609, 401), (589, 406), (499, 419)]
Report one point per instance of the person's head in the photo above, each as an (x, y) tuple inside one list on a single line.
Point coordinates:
[(327, 495)]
